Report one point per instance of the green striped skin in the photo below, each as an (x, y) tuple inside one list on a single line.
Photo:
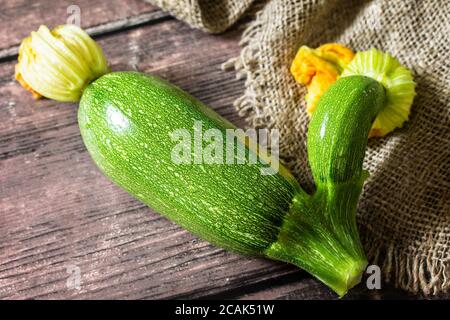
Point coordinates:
[(320, 233), (126, 119), (339, 128), (337, 140)]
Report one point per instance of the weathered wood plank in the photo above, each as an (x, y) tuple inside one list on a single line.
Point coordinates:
[(19, 17)]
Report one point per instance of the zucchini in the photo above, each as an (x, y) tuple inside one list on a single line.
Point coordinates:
[(127, 121)]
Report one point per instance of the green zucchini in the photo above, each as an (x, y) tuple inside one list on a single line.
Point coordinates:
[(127, 121)]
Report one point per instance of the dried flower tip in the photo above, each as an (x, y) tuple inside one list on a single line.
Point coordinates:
[(60, 63)]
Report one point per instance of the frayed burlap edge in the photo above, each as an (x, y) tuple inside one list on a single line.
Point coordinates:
[(244, 65), (413, 272)]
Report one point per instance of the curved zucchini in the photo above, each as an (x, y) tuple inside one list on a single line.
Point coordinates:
[(337, 138)]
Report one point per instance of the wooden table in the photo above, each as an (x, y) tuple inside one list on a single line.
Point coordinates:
[(58, 213)]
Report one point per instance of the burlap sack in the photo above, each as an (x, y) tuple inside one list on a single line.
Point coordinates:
[(404, 212), (211, 16)]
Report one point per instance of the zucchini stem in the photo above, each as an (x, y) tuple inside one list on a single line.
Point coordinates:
[(309, 240)]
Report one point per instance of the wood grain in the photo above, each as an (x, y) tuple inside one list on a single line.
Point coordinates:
[(19, 17), (57, 211)]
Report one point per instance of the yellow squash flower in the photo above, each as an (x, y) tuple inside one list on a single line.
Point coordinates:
[(319, 68), (396, 79), (60, 63)]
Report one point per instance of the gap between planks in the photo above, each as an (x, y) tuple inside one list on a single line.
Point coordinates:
[(108, 28)]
